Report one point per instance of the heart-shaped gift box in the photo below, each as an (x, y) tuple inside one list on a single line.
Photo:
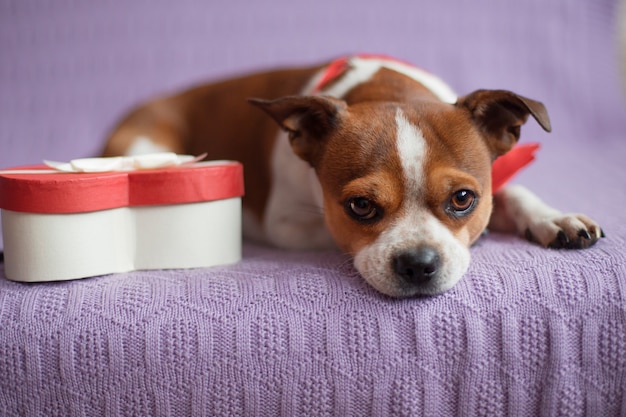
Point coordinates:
[(65, 225)]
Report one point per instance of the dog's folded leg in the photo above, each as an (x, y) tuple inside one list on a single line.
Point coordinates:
[(518, 210)]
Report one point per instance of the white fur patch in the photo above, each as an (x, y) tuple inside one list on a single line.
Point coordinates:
[(363, 69), (294, 213), (412, 151), (144, 145)]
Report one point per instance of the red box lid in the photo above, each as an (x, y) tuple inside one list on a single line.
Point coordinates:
[(83, 192)]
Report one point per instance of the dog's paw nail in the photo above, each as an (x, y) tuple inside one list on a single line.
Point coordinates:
[(585, 234), (561, 241), (602, 233), (529, 235)]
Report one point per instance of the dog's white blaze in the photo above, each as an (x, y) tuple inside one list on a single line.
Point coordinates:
[(411, 147), (414, 226), (144, 145)]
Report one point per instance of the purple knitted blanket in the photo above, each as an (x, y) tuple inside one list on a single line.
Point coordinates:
[(527, 331)]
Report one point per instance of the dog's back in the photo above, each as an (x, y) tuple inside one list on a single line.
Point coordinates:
[(216, 119)]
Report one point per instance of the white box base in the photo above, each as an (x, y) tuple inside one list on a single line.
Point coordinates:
[(56, 247)]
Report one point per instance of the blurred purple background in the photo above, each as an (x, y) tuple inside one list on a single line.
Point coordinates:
[(69, 68)]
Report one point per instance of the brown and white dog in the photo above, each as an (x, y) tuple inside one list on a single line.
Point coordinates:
[(374, 156)]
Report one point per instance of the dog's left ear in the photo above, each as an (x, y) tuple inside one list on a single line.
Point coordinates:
[(308, 120), (500, 115)]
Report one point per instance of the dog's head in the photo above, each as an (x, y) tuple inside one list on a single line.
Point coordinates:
[(407, 186)]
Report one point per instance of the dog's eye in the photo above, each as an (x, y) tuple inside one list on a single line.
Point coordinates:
[(362, 209), (462, 202)]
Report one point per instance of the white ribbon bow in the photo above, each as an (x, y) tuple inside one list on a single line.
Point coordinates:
[(125, 163)]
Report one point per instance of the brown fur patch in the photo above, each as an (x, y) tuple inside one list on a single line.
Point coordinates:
[(384, 189), (360, 160)]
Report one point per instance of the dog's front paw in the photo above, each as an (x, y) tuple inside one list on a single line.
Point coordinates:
[(565, 231)]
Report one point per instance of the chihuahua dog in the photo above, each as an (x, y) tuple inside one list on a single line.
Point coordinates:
[(400, 167)]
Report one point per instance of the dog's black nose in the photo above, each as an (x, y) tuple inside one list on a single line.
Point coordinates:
[(417, 265)]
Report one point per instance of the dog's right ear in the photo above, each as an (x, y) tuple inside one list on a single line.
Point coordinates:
[(308, 120), (500, 114)]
